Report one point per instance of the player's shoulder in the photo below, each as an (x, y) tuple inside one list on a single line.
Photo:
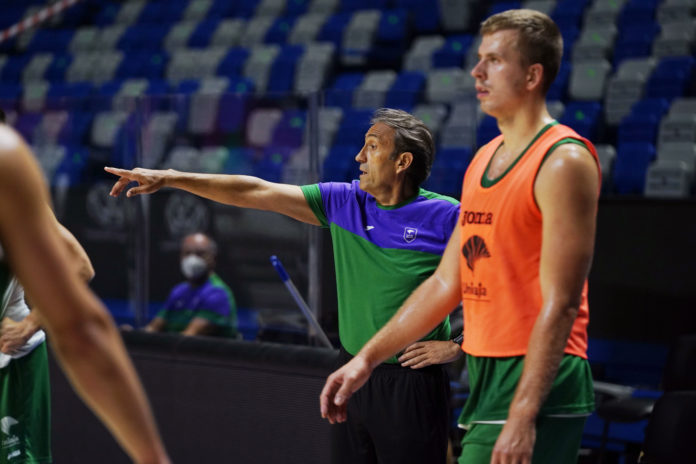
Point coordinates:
[(570, 169), (568, 158)]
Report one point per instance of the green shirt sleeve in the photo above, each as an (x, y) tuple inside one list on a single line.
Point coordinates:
[(313, 196)]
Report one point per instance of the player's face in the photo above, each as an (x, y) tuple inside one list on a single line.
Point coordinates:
[(500, 76), (378, 171)]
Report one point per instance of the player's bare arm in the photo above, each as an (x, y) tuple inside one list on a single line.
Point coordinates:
[(82, 334), (566, 191)]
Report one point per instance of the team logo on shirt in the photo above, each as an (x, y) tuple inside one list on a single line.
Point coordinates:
[(473, 250), (410, 234), (6, 423), (9, 439)]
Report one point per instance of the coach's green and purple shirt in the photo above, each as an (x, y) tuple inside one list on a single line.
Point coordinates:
[(381, 253)]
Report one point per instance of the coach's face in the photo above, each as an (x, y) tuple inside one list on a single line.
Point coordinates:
[(378, 165)]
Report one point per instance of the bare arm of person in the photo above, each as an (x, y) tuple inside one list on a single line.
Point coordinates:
[(199, 326), (566, 191), (429, 304), (157, 324), (242, 191), (15, 334), (78, 255), (81, 331)]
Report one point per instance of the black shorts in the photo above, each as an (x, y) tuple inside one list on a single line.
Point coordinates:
[(400, 415)]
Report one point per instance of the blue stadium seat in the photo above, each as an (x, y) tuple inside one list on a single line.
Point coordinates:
[(406, 91), (643, 122), (245, 9), (12, 71), (143, 64), (109, 88), (69, 95), (453, 52), (425, 15), (72, 169), (559, 87), (233, 63), (332, 30), (570, 34), (187, 87), (8, 92), (270, 167), (289, 132), (107, 14), (454, 157), (75, 130), (355, 5), (568, 13), (201, 35), (282, 75), (393, 26), (161, 13), (671, 78), (340, 164), (240, 161), (232, 111), (139, 37), (637, 12), (635, 40), (279, 30), (50, 40), (499, 7), (448, 170), (241, 85), (27, 123), (153, 13), (58, 67), (354, 125), (225, 8), (341, 92), (486, 131), (631, 165), (390, 40), (157, 87), (583, 117), (297, 7)]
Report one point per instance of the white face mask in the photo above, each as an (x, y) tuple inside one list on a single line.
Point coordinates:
[(193, 267)]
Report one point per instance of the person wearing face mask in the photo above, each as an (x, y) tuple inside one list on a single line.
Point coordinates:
[(203, 304)]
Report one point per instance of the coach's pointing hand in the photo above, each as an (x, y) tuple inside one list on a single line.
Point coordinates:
[(149, 180)]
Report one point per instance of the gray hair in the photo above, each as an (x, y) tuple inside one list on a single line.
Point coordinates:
[(410, 135)]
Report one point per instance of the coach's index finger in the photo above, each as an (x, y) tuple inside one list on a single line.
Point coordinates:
[(121, 183)]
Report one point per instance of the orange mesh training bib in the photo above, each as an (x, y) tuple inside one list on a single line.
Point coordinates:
[(501, 229)]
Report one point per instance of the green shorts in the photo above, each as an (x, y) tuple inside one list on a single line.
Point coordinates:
[(25, 410), (557, 441)]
